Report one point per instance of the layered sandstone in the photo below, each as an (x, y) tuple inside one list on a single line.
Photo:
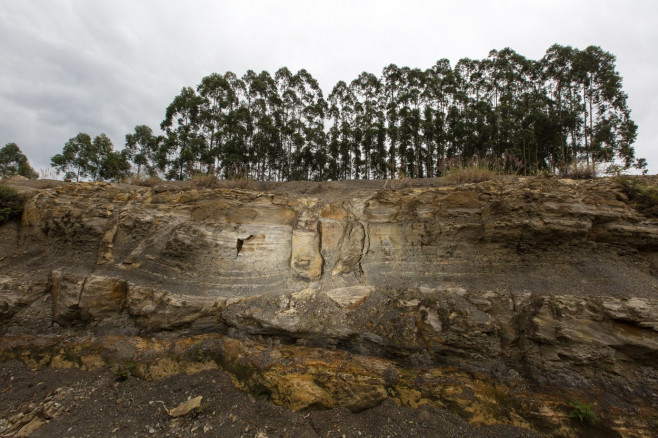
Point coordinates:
[(544, 283)]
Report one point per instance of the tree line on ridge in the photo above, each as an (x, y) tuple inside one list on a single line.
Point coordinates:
[(505, 112)]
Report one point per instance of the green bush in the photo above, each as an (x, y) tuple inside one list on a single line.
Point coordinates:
[(582, 412), (641, 194), (11, 204), (124, 370)]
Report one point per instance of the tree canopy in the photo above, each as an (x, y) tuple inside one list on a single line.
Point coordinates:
[(505, 111), (14, 162), (96, 159)]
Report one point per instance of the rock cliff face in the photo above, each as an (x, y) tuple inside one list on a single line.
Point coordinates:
[(526, 293)]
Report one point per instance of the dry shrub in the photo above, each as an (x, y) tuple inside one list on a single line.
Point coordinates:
[(579, 172), (401, 183), (265, 186), (470, 174), (45, 183), (150, 181), (209, 181), (204, 180), (240, 183)]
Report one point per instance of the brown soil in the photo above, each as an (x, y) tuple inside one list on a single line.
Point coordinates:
[(95, 404)]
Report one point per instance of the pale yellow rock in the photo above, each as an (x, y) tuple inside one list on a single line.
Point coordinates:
[(186, 407), (30, 428), (92, 362), (349, 296), (60, 362), (306, 259), (102, 297)]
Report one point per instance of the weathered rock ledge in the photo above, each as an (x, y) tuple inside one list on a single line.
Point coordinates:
[(503, 300)]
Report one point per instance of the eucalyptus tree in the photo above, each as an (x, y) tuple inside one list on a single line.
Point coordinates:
[(379, 162), (264, 104), (310, 127), (74, 159), (392, 86), (96, 159), (366, 89), (342, 109), (409, 108), (96, 155), (236, 129), (608, 131), (234, 155), (438, 93), (142, 148), (115, 166), (14, 162), (288, 119), (408, 102), (185, 143), (219, 99), (511, 76), (556, 67)]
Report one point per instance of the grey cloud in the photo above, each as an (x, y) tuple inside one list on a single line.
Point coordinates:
[(106, 66)]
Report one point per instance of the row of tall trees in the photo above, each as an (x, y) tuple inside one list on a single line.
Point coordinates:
[(505, 111)]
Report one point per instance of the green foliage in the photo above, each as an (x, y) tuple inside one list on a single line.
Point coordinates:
[(83, 157), (641, 194), (197, 353), (74, 159), (582, 412), (501, 114), (124, 370), (641, 164), (142, 150), (201, 409), (529, 116), (14, 162), (114, 166), (11, 204)]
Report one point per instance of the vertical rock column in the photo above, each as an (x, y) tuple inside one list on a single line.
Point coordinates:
[(305, 259)]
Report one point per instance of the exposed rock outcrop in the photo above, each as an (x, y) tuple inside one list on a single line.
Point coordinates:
[(542, 284)]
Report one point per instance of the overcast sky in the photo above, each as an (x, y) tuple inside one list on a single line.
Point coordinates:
[(109, 65)]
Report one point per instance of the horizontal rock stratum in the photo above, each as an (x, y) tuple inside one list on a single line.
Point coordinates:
[(537, 290)]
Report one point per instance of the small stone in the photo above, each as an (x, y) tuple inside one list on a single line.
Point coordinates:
[(186, 407)]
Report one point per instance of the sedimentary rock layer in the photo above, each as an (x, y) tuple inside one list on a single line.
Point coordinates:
[(546, 281)]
